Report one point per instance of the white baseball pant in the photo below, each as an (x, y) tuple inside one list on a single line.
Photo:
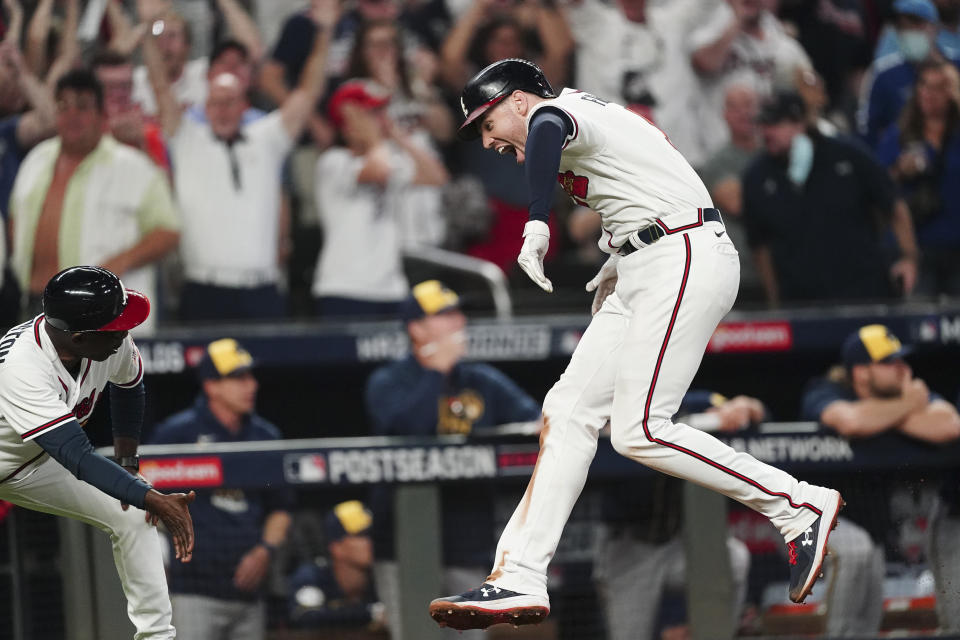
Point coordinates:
[(632, 367), (50, 488)]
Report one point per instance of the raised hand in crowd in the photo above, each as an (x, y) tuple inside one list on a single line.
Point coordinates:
[(20, 85), (325, 13), (15, 22)]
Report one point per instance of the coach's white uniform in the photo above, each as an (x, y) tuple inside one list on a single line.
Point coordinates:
[(37, 395), (640, 353)]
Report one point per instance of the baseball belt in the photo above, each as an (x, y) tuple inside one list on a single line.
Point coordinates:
[(650, 234)]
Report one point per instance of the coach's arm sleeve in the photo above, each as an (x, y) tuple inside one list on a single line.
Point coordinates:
[(126, 410), (549, 129), (69, 445)]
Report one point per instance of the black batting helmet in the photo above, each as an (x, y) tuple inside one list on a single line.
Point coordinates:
[(493, 84), (92, 299)]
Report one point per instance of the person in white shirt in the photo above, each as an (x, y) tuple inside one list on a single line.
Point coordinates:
[(360, 189), (632, 52), (740, 42), (53, 371), (672, 275), (227, 177)]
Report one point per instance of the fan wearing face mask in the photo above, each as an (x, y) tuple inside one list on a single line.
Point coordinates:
[(888, 82)]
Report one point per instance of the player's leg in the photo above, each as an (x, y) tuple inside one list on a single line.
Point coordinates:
[(574, 411), (249, 619), (944, 554), (630, 577), (199, 617), (740, 574), (136, 545), (854, 576), (679, 289)]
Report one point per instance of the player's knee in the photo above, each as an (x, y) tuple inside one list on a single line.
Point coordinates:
[(129, 522), (555, 406), (624, 443), (632, 439)]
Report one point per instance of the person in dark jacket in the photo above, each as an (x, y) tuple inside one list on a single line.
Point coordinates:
[(338, 590), (434, 391), (220, 595)]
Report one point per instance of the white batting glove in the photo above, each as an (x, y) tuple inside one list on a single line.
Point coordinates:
[(603, 283), (536, 241)]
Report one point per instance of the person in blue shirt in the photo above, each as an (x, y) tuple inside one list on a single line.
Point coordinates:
[(873, 392), (889, 80), (435, 391), (948, 34), (337, 590), (922, 153), (220, 596)]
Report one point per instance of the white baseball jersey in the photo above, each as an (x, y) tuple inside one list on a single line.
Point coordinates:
[(623, 167), (37, 394)]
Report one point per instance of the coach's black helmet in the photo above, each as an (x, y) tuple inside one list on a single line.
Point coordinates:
[(92, 299), (493, 84)]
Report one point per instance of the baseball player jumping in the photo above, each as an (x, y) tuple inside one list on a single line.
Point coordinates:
[(53, 370), (672, 274)]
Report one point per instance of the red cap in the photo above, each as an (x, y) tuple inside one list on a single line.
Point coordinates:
[(135, 311), (363, 93)]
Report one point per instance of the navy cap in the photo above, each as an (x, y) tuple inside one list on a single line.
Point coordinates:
[(782, 105), (224, 358), (923, 9), (428, 298), (350, 518), (872, 343)]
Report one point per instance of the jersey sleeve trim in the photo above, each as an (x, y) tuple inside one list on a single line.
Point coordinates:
[(576, 127), (137, 378), (53, 424)]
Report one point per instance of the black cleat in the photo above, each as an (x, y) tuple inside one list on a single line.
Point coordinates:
[(807, 551), (489, 605)]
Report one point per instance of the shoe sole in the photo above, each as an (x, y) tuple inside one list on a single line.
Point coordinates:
[(822, 535), (463, 617)]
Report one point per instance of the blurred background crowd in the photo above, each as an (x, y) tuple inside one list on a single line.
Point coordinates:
[(245, 159), (270, 160)]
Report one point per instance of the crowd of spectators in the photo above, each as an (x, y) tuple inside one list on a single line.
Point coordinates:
[(244, 159)]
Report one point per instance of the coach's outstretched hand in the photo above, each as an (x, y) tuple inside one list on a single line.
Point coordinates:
[(174, 511), (536, 241)]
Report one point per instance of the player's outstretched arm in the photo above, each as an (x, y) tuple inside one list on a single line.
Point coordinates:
[(173, 509)]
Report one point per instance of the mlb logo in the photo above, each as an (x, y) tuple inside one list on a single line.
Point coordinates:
[(305, 468)]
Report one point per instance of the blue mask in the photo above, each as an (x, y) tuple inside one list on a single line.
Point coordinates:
[(914, 45), (801, 159)]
